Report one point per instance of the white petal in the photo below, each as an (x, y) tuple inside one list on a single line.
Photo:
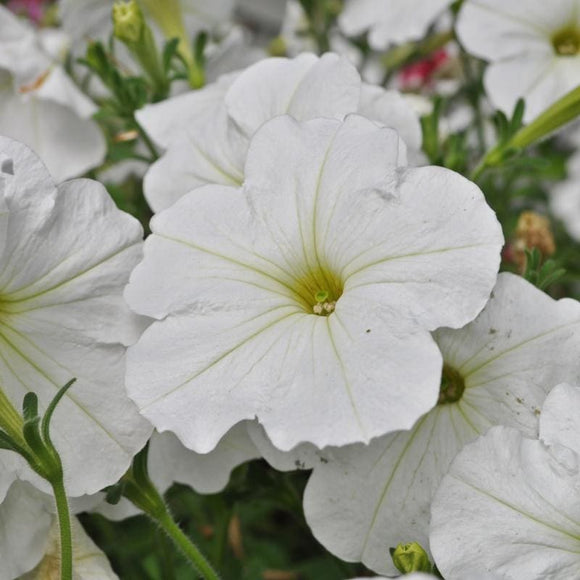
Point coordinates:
[(365, 498), (510, 507), (7, 472), (560, 418), (82, 250), (21, 54), (396, 21), (67, 143), (170, 461), (305, 87), (253, 348), (565, 198), (208, 152), (25, 522), (391, 109), (89, 562), (25, 179), (540, 80), (402, 239), (163, 121), (206, 12), (304, 456), (61, 89), (122, 510), (305, 379), (500, 29), (513, 354)]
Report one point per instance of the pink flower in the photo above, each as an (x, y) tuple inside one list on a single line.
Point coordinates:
[(420, 74), (32, 9)]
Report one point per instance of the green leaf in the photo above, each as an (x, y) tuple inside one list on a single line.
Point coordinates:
[(169, 52), (50, 410), (30, 406)]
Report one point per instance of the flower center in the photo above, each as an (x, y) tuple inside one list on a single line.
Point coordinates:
[(566, 42), (452, 386), (318, 291)]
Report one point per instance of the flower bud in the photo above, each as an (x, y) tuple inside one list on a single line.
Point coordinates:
[(411, 557), (128, 22)]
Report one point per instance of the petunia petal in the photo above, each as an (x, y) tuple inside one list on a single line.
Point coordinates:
[(170, 461), (508, 506), (24, 525), (560, 418), (391, 22), (515, 32), (305, 88)]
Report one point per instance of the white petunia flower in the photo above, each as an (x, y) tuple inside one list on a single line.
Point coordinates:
[(305, 298), (533, 48), (67, 256), (497, 371), (30, 540), (207, 133), (40, 104), (390, 21), (511, 505)]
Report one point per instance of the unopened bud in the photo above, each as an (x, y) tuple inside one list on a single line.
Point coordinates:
[(411, 557), (128, 22), (277, 47)]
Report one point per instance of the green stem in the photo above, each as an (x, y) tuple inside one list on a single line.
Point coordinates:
[(560, 113), (189, 549), (147, 140), (139, 489), (66, 553)]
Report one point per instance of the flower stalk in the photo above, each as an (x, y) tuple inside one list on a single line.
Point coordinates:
[(562, 112), (138, 488), (131, 29), (64, 526)]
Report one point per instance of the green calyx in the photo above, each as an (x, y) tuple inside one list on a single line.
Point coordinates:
[(452, 386), (409, 558), (11, 421), (566, 42), (128, 22)]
